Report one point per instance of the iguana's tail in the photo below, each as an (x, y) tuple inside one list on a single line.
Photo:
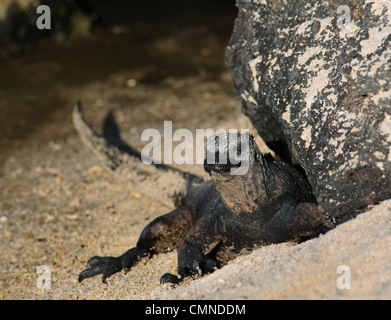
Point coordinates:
[(167, 185)]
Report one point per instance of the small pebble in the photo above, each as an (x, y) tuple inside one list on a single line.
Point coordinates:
[(95, 169), (131, 83)]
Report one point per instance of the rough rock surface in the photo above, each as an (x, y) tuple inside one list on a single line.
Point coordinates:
[(310, 78)]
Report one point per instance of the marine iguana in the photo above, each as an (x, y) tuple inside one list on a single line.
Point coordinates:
[(217, 219)]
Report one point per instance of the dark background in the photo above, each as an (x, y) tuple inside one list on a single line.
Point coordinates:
[(120, 35)]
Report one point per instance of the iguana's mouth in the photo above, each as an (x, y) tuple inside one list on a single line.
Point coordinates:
[(220, 168)]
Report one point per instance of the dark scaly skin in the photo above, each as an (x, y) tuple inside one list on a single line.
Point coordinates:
[(225, 217)]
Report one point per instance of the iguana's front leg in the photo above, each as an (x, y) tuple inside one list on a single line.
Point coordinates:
[(161, 235), (195, 252)]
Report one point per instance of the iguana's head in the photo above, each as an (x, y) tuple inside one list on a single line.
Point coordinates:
[(232, 161), (229, 154), (248, 180)]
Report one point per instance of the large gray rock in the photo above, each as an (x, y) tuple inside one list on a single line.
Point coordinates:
[(322, 89)]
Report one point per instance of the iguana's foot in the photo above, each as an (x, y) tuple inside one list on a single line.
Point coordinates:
[(198, 268), (195, 268), (107, 266), (170, 278)]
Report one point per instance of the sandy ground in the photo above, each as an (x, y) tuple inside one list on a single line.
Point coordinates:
[(59, 207)]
